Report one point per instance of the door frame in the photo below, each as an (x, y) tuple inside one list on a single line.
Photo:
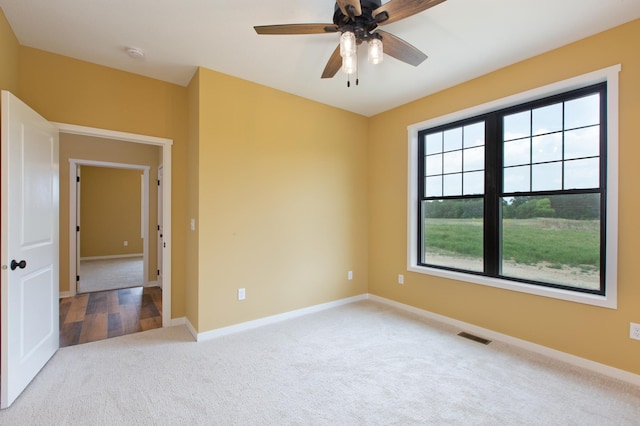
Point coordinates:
[(165, 144), (160, 231), (74, 207)]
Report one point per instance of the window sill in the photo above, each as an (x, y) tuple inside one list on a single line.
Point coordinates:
[(571, 296)]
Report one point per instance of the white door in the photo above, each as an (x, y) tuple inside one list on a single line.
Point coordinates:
[(30, 252)]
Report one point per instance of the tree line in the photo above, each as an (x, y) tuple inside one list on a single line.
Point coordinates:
[(570, 206)]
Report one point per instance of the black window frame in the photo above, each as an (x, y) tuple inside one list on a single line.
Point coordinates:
[(493, 186)]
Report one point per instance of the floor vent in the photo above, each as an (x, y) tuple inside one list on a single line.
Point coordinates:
[(474, 338)]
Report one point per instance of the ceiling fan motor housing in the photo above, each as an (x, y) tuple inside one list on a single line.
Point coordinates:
[(361, 25)]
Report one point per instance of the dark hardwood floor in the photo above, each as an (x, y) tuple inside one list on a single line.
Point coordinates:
[(95, 316)]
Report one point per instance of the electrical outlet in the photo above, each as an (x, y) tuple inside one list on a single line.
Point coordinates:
[(126, 243), (400, 279), (241, 294), (634, 331), (350, 275)]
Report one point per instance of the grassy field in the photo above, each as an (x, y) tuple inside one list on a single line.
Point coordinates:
[(557, 242)]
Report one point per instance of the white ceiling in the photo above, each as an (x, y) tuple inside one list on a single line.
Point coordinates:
[(463, 39)]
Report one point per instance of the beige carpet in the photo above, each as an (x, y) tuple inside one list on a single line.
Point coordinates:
[(110, 274), (359, 364)]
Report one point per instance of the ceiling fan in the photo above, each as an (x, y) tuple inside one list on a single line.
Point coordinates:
[(358, 21)]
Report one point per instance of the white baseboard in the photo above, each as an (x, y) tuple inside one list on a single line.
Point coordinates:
[(176, 321), (65, 294), (115, 256), (152, 284), (577, 361), (191, 329), (224, 331), (182, 321)]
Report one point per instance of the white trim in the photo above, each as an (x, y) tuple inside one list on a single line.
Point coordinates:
[(74, 208), (190, 328), (159, 229), (178, 321), (236, 328), (610, 75), (115, 256), (166, 194), (111, 134), (577, 361), (65, 294)]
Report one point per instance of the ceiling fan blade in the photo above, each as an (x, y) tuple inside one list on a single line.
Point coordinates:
[(400, 49), (357, 8), (296, 29), (400, 9), (334, 64)]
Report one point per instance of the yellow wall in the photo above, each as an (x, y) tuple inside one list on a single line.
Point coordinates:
[(110, 211), (594, 333), (9, 49), (75, 92), (96, 149), (282, 201)]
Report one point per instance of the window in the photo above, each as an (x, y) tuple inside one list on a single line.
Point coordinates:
[(517, 196)]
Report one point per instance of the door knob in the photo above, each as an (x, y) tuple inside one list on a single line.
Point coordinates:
[(22, 264)]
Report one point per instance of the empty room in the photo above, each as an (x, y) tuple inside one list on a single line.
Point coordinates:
[(357, 212)]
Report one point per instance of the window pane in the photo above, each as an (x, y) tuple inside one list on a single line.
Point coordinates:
[(453, 162), (517, 126), (516, 179), (473, 183), (553, 239), (453, 235), (517, 153), (433, 186), (546, 148), (546, 177), (547, 119), (433, 165), (582, 112), (433, 143), (582, 143), (452, 184), (474, 135), (473, 158), (582, 174), (453, 139)]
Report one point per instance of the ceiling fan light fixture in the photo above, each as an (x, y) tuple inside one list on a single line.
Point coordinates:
[(375, 51), (347, 44), (350, 64)]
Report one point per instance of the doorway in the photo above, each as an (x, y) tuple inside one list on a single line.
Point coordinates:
[(165, 152), (112, 224)]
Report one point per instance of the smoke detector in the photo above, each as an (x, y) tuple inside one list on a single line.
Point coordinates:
[(135, 52)]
